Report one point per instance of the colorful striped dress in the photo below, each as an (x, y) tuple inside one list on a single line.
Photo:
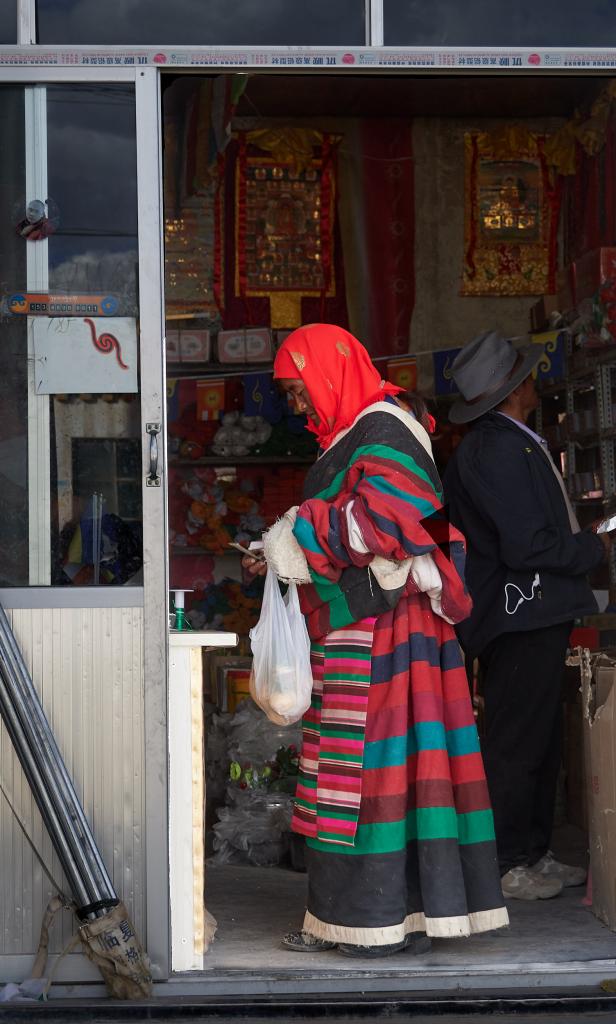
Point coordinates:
[(392, 796)]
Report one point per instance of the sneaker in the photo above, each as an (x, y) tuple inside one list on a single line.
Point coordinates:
[(522, 883), (568, 874), (304, 942)]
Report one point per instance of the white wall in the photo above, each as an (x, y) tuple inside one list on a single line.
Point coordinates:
[(87, 665)]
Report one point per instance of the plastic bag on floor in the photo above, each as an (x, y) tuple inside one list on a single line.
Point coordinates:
[(281, 676), (253, 830), (253, 739), (26, 992)]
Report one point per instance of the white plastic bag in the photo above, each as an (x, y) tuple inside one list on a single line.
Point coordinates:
[(281, 676)]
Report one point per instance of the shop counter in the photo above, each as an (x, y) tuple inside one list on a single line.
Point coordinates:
[(191, 926)]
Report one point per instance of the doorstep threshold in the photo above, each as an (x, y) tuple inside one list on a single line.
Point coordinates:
[(463, 979), (466, 977)]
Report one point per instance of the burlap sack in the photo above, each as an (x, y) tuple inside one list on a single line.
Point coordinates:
[(111, 943)]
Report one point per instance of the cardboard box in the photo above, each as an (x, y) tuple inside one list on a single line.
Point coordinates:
[(576, 783), (195, 346), (604, 620), (281, 336), (248, 345), (542, 310), (599, 707)]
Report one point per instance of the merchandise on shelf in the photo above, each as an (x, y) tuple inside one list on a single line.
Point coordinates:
[(593, 272), (239, 434), (246, 345), (588, 294), (189, 438), (543, 312), (208, 511), (229, 605), (195, 346)]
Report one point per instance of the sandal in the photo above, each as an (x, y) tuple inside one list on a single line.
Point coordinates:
[(304, 942)]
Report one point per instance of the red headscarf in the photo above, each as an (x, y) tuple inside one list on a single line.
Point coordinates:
[(339, 375)]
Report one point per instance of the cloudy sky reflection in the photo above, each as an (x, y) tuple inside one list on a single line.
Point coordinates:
[(488, 23), (92, 172), (202, 22), (8, 22)]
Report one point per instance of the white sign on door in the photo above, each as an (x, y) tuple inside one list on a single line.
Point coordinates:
[(85, 355)]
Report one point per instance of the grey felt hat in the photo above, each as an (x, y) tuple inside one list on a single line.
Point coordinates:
[(487, 370)]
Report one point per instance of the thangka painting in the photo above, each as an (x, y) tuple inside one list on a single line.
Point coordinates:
[(511, 215), (284, 223)]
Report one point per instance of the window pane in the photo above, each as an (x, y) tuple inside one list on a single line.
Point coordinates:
[(96, 454), (8, 22), (13, 352), (202, 22), (70, 429), (485, 23), (93, 186)]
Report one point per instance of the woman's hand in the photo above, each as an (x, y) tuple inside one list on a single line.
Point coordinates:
[(254, 566)]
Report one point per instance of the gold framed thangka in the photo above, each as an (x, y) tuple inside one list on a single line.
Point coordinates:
[(284, 196), (511, 214)]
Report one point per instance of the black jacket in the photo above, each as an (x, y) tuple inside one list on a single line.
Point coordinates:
[(505, 498)]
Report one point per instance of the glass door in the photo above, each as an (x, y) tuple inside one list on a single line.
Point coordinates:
[(71, 509), (82, 501)]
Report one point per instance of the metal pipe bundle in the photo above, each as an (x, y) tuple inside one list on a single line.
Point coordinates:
[(51, 786)]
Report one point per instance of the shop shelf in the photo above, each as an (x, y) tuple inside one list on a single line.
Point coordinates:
[(245, 460), (554, 388), (194, 551), (187, 371)]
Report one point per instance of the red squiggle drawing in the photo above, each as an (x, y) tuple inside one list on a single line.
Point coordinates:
[(106, 343)]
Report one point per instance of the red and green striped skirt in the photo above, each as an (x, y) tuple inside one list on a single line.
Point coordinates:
[(392, 796)]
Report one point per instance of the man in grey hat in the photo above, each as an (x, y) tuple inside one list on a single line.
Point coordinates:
[(526, 569)]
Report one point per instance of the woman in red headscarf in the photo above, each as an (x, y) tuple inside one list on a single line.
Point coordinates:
[(391, 797)]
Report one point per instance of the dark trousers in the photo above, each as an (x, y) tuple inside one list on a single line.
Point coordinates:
[(522, 676)]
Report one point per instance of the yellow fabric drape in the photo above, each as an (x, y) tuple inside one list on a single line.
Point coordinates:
[(589, 132)]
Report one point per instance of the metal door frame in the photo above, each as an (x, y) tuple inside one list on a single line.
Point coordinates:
[(153, 594), (373, 58)]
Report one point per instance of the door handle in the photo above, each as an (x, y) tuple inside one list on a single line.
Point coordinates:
[(153, 477)]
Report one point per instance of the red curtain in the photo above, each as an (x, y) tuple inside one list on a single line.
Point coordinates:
[(389, 232), (589, 200)]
